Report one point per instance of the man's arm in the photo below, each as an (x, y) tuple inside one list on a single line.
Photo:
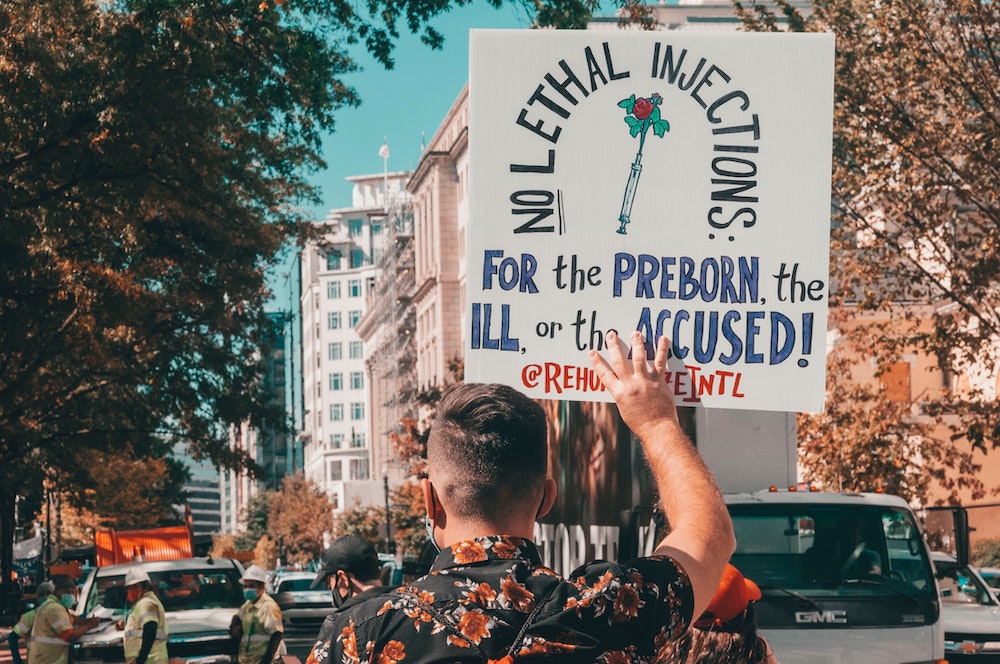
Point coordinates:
[(272, 647), (15, 647), (701, 533), (80, 627), (148, 638)]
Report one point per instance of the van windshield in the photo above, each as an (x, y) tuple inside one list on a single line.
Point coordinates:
[(178, 590), (821, 550)]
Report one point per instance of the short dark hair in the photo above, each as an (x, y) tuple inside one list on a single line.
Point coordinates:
[(488, 441)]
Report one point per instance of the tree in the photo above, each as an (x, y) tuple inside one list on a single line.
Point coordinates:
[(153, 162), (255, 516), (297, 517), (915, 249)]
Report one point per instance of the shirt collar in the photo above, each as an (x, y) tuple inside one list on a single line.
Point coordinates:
[(486, 549)]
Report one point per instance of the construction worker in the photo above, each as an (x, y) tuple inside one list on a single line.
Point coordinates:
[(22, 630), (54, 629), (257, 624), (146, 623)]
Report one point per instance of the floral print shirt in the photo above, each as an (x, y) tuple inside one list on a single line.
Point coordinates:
[(491, 600)]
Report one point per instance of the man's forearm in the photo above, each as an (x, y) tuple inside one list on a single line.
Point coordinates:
[(272, 648), (148, 638)]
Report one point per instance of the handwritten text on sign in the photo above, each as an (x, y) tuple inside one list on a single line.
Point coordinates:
[(676, 187)]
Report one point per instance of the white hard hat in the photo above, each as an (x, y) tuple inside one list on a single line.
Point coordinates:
[(136, 575), (255, 573)]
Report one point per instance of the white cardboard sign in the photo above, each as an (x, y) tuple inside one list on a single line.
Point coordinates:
[(677, 183)]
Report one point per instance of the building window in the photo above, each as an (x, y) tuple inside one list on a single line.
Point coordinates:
[(358, 410), (354, 227), (333, 290), (336, 412), (357, 380), (335, 500), (357, 257), (359, 469), (359, 440), (336, 471), (357, 350), (369, 284), (333, 320), (353, 318), (354, 288), (336, 440), (335, 350), (333, 260), (376, 227), (336, 381)]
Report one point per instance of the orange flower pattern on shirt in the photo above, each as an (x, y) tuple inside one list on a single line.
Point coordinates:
[(469, 551), (492, 600), (394, 652), (475, 625), (481, 593), (514, 595), (350, 644)]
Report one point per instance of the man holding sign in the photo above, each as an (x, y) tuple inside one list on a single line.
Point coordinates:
[(488, 598)]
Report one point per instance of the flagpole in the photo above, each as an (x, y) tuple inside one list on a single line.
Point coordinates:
[(384, 153)]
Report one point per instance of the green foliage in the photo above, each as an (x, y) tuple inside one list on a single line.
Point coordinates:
[(986, 553), (917, 209), (365, 521), (255, 516)]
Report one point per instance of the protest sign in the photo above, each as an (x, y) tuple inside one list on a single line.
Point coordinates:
[(676, 183)]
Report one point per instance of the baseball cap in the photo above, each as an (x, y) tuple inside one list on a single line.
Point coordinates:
[(734, 594), (351, 554)]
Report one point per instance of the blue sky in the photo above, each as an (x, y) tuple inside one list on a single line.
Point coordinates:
[(399, 104)]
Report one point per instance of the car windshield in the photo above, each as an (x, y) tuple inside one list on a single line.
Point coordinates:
[(178, 590), (297, 585), (959, 585), (820, 550)]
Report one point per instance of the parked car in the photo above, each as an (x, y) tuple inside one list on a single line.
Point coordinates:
[(302, 608), (991, 575), (199, 595), (971, 613)]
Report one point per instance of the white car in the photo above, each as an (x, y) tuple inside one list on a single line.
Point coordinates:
[(303, 608), (971, 613), (199, 595)]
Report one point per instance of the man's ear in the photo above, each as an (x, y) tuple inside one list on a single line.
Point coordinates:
[(432, 504), (549, 492)]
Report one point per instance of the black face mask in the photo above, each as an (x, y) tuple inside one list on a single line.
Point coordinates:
[(338, 600)]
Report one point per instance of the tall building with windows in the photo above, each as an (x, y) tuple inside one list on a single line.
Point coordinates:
[(338, 272)]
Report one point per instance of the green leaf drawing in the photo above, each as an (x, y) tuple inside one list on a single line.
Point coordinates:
[(660, 127), (632, 122), (635, 129), (627, 104)]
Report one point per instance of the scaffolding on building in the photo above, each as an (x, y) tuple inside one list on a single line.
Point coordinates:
[(391, 363)]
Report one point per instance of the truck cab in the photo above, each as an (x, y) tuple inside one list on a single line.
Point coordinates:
[(845, 577)]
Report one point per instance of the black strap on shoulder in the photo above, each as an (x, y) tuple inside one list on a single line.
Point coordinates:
[(516, 644)]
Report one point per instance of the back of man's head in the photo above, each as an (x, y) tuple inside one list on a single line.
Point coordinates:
[(487, 450)]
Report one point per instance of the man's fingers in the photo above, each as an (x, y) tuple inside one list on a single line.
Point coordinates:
[(660, 360), (639, 353), (615, 356)]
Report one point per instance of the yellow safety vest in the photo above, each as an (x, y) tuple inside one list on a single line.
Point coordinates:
[(146, 609), (23, 626), (51, 620), (260, 620)]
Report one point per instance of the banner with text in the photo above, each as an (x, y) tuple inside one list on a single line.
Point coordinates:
[(673, 183)]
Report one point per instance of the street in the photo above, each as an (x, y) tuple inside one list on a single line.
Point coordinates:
[(298, 644)]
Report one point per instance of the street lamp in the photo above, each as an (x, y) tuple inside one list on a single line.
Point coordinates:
[(390, 544)]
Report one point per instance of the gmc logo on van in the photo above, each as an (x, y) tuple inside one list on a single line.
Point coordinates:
[(815, 617)]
